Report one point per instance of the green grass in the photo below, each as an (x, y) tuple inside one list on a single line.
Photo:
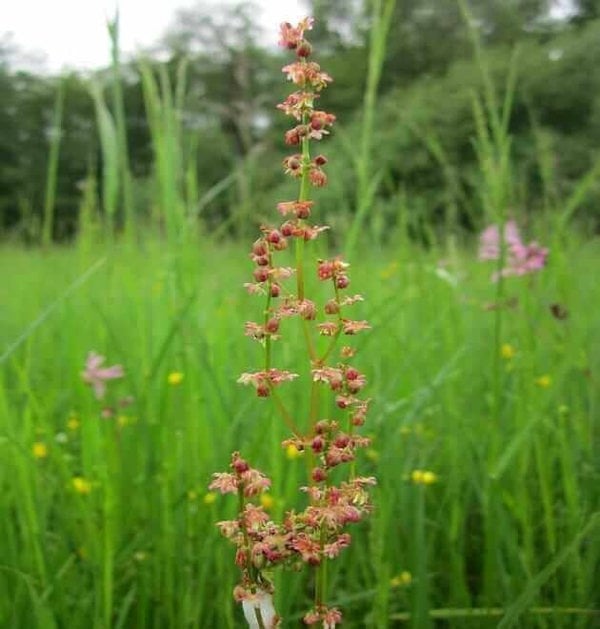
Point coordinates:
[(507, 534)]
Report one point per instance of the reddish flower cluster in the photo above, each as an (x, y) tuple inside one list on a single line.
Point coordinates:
[(318, 532)]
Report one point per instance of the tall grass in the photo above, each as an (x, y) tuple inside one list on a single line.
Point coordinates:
[(140, 549)]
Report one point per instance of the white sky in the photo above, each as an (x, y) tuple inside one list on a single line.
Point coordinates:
[(72, 33)]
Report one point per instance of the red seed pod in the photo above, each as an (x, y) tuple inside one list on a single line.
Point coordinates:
[(262, 389), (274, 236), (261, 274), (341, 441), (303, 211), (358, 420), (319, 475), (287, 229), (320, 160), (292, 137), (304, 49), (281, 245), (260, 248), (352, 374), (317, 444), (262, 260), (325, 269), (239, 465), (342, 401), (342, 281), (275, 290), (332, 307), (354, 386), (322, 427), (272, 325), (307, 310)]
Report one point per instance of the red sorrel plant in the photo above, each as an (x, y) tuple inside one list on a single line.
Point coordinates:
[(317, 534)]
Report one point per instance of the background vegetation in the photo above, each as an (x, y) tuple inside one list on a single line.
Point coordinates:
[(144, 182)]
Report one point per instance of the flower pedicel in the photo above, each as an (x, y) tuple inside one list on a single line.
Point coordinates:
[(318, 533)]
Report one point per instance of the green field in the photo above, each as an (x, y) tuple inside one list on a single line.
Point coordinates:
[(485, 395), (508, 432)]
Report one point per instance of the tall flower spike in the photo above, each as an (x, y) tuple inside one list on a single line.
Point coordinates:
[(317, 534)]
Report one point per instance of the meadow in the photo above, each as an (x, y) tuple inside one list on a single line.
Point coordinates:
[(485, 394), (502, 534)]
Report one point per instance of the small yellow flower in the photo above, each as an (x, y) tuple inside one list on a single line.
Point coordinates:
[(40, 450), (209, 498), (372, 455), (389, 271), (81, 485), (543, 381), (73, 423), (292, 452), (175, 378), (423, 477), (404, 579), (267, 501), (507, 351)]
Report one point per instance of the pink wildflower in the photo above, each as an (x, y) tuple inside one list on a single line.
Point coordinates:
[(97, 376), (521, 259)]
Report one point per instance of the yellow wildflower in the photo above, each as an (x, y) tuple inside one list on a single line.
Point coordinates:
[(423, 477), (40, 450), (372, 455), (73, 423), (209, 498), (267, 501), (175, 378), (403, 579), (81, 485), (507, 351), (389, 270), (292, 452), (543, 381)]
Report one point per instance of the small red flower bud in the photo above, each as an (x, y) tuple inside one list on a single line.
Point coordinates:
[(287, 229), (317, 177), (274, 237), (261, 274), (342, 281), (341, 441), (292, 137), (351, 373), (342, 402), (317, 444), (239, 465), (281, 245), (262, 260), (322, 427), (320, 160), (262, 389), (260, 248), (332, 307), (319, 475), (304, 49), (354, 386), (272, 325), (325, 270), (307, 310), (358, 420), (275, 290), (303, 211)]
